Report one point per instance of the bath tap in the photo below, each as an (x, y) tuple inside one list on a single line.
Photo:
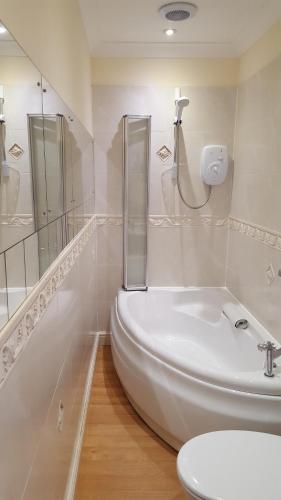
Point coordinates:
[(271, 354)]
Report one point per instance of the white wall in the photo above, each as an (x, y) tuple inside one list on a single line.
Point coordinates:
[(165, 72), (261, 53)]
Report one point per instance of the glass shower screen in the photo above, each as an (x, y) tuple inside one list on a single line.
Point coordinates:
[(136, 137)]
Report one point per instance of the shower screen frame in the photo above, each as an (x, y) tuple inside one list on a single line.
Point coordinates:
[(44, 222), (61, 155), (126, 285)]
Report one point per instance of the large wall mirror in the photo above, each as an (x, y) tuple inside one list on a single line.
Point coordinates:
[(46, 175)]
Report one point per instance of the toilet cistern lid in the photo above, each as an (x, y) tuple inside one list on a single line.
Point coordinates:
[(232, 465)]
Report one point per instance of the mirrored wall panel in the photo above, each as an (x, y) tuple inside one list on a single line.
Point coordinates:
[(46, 176)]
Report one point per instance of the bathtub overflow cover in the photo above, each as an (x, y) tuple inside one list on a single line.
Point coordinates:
[(242, 323)]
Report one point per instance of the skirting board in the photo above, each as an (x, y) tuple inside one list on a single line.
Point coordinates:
[(73, 471), (101, 338), (104, 338)]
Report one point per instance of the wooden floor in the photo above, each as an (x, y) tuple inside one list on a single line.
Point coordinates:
[(122, 459)]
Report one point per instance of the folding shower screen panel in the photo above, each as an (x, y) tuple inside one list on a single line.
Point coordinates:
[(46, 139), (136, 158)]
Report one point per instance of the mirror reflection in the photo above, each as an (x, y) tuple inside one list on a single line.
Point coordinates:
[(46, 155)]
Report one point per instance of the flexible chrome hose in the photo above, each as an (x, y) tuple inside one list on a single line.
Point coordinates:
[(176, 164)]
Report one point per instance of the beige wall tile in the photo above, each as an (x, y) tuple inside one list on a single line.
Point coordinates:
[(104, 309), (256, 195), (3, 293), (10, 235), (248, 261), (256, 198), (209, 119), (211, 109), (110, 103), (184, 256), (257, 170), (108, 172), (109, 267), (110, 244), (31, 260)]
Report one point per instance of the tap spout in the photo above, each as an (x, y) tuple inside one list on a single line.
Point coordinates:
[(272, 353)]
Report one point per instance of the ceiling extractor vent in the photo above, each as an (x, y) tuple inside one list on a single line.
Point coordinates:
[(178, 11)]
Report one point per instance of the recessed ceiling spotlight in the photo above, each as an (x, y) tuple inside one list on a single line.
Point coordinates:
[(2, 29), (178, 11), (169, 32)]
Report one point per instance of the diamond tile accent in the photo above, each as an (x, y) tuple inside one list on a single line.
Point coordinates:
[(270, 274), (164, 153), (16, 151)]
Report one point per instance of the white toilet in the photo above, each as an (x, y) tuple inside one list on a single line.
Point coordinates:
[(231, 465)]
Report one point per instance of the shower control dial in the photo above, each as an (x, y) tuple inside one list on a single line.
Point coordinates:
[(214, 164), (214, 168)]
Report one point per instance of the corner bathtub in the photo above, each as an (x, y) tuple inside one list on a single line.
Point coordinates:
[(186, 369)]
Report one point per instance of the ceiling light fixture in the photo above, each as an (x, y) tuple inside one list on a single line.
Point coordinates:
[(2, 29), (169, 31)]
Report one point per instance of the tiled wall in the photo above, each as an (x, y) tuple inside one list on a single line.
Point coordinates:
[(254, 255), (186, 250)]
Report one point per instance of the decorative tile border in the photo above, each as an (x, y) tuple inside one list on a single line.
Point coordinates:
[(16, 220), (167, 221), (109, 220), (186, 221), (258, 233), (17, 332)]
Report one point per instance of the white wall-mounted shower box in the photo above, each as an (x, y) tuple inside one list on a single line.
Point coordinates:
[(214, 164)]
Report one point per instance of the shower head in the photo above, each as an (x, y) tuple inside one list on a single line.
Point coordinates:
[(180, 103)]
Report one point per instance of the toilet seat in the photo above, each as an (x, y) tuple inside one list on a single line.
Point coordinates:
[(231, 465)]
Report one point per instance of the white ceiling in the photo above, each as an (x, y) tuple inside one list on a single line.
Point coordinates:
[(134, 28)]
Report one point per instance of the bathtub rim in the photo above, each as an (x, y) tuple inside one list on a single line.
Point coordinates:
[(251, 382)]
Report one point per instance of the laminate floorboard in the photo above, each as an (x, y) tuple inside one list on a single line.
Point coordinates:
[(122, 458)]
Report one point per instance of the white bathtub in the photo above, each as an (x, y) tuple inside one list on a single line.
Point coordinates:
[(186, 369)]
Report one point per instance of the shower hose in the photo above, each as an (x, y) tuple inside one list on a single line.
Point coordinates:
[(176, 164)]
